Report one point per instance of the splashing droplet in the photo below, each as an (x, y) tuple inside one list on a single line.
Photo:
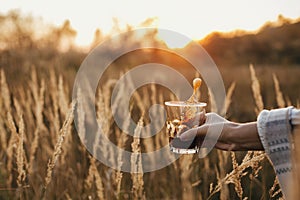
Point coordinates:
[(196, 85)]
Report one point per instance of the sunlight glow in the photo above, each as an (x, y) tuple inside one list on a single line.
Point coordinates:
[(193, 18)]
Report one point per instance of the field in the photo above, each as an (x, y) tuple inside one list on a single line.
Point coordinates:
[(42, 156)]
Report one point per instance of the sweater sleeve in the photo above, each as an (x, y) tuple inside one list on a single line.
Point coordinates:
[(274, 129)]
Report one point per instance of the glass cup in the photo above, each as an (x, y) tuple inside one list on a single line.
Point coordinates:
[(182, 116)]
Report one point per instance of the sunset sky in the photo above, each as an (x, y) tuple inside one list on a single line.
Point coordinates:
[(194, 18)]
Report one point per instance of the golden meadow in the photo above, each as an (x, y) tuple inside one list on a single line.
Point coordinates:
[(42, 156)]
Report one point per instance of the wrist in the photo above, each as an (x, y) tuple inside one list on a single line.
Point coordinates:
[(245, 136)]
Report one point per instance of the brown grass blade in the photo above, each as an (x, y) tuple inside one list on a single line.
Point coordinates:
[(21, 154), (136, 164), (279, 96), (256, 91), (229, 97), (58, 146), (5, 93)]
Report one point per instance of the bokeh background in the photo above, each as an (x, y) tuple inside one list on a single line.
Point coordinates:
[(256, 47)]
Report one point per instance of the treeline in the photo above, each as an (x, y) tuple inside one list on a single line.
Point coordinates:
[(26, 41), (276, 43)]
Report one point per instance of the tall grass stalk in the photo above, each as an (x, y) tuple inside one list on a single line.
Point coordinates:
[(58, 146), (136, 164), (229, 94), (256, 91), (39, 105), (38, 142), (237, 173), (11, 146), (5, 93), (93, 171), (279, 96), (21, 154)]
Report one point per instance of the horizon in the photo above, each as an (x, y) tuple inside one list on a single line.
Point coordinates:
[(279, 21), (182, 17)]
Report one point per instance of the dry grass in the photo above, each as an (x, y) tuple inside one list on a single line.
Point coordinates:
[(136, 164), (58, 146), (41, 160), (279, 95), (256, 91)]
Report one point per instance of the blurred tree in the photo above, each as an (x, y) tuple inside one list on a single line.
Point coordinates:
[(26, 41), (16, 31), (274, 43), (98, 37), (61, 38)]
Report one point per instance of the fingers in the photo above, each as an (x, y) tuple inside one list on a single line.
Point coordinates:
[(198, 132), (198, 120), (209, 133), (189, 134), (199, 136), (213, 131), (201, 118)]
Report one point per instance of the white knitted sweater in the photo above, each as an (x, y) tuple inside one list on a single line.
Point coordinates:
[(275, 131)]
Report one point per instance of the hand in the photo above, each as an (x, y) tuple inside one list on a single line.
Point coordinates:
[(233, 136), (197, 120)]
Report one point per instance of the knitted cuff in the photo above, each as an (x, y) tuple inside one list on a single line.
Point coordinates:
[(274, 129)]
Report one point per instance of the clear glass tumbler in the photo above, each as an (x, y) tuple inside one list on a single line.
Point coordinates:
[(182, 116)]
